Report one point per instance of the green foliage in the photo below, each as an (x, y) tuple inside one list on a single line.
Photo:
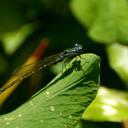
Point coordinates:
[(11, 18), (109, 105), (106, 21), (118, 59), (13, 39), (61, 103)]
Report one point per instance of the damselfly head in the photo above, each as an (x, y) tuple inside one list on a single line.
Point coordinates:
[(79, 48)]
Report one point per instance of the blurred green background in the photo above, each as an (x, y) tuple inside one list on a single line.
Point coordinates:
[(101, 26)]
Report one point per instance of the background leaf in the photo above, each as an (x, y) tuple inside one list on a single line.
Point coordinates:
[(117, 55), (106, 21), (61, 103), (109, 105), (12, 40)]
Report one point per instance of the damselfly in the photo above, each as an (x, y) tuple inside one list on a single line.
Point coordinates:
[(54, 59)]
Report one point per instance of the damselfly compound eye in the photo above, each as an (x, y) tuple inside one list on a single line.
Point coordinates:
[(79, 48)]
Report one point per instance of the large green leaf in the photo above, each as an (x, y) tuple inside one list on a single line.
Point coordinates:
[(106, 20), (61, 103)]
